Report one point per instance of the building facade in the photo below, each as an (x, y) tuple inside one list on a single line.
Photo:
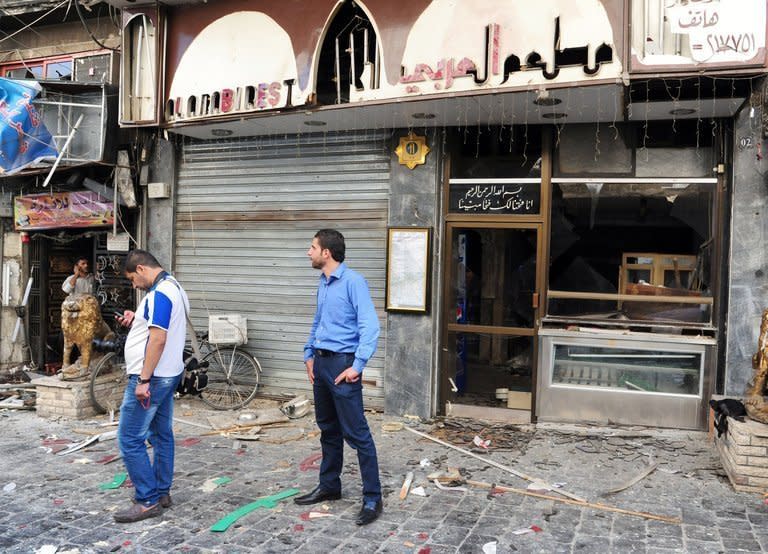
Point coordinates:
[(558, 206), (63, 207)]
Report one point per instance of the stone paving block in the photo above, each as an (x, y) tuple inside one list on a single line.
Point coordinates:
[(701, 533), (664, 541), (742, 545), (449, 535), (735, 524), (591, 544), (461, 518), (319, 544), (741, 534), (440, 548), (628, 546)]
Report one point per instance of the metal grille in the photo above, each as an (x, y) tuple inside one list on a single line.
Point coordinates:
[(247, 210), (38, 303)]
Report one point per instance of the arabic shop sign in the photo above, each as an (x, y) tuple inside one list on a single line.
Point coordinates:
[(494, 198), (61, 209), (498, 66)]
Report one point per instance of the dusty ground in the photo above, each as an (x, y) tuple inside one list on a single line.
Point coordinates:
[(49, 500)]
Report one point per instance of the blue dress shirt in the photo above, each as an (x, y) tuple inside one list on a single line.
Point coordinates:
[(346, 319)]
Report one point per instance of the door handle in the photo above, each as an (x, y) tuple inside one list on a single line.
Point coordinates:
[(535, 300)]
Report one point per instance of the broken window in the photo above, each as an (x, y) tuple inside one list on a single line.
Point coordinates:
[(633, 219), (350, 57), (139, 70), (632, 249)]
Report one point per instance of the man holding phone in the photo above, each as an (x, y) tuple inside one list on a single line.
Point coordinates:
[(81, 281), (154, 360)]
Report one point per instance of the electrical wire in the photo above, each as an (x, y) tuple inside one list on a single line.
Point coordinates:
[(85, 25), (28, 25)]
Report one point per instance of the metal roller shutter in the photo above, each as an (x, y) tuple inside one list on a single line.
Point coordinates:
[(247, 210)]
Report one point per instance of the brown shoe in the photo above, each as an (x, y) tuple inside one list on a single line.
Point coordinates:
[(137, 512), (166, 501)]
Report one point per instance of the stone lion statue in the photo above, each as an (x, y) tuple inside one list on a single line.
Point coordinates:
[(81, 322), (754, 400)]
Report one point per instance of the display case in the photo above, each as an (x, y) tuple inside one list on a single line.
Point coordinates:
[(621, 377)]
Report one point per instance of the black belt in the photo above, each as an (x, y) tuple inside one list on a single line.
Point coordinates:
[(323, 353)]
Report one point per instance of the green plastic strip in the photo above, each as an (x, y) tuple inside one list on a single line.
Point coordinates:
[(265, 502), (117, 480), (222, 481)]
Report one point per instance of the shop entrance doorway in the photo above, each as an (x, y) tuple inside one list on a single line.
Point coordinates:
[(491, 300), (51, 261)]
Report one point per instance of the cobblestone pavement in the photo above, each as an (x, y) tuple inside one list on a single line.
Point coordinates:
[(57, 501)]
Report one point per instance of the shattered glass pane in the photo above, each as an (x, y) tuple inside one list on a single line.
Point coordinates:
[(674, 372)]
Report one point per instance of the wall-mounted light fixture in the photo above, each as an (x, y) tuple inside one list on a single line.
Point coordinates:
[(221, 132), (423, 115), (315, 123)]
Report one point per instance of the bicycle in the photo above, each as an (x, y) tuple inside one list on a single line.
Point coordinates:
[(233, 376)]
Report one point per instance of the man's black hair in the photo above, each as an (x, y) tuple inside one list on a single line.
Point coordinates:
[(86, 258), (333, 241), (137, 258)]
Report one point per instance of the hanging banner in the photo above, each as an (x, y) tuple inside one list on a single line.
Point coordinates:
[(24, 139), (61, 209)]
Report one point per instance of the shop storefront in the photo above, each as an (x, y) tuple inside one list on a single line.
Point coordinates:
[(58, 229), (579, 219)]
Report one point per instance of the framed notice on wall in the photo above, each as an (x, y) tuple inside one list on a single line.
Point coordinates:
[(408, 269)]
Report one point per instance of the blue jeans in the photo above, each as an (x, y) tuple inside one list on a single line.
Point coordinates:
[(155, 423), (340, 416)]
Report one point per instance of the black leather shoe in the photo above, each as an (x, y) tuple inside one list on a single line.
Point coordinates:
[(317, 495), (369, 513)]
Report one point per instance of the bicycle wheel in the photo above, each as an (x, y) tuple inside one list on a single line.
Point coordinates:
[(233, 377), (108, 381)]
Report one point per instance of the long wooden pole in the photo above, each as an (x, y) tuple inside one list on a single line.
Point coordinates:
[(498, 465), (585, 504)]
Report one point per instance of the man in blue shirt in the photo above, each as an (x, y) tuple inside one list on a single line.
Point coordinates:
[(342, 340)]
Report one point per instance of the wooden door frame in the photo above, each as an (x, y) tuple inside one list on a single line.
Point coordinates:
[(447, 326), (540, 221)]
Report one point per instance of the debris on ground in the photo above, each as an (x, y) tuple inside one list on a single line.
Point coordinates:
[(636, 479), (297, 408), (392, 426), (266, 502), (497, 465), (211, 485), (311, 462), (406, 485), (503, 437), (526, 530), (117, 481)]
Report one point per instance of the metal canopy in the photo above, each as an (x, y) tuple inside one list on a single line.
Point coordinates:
[(600, 103)]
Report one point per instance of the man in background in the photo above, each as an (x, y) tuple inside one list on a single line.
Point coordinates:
[(81, 281)]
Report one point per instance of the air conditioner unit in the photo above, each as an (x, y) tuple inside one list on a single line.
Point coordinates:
[(227, 329), (97, 68)]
